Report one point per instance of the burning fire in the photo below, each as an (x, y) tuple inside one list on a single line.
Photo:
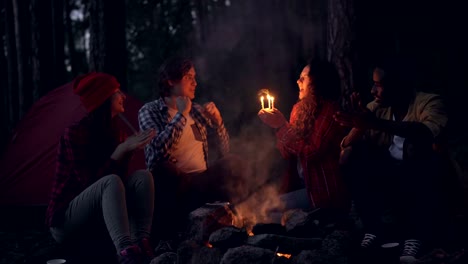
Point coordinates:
[(283, 255), (209, 245), (250, 232)]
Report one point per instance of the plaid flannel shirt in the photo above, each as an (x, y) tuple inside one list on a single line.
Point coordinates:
[(74, 172), (318, 156), (155, 115)]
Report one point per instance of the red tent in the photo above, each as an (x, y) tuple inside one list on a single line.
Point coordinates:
[(28, 165)]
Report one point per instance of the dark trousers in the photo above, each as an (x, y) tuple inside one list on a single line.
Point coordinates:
[(178, 193), (410, 190)]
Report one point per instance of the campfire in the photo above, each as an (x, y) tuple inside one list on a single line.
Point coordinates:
[(223, 233), (254, 227)]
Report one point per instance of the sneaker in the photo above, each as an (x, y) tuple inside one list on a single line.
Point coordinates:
[(368, 250), (130, 255), (147, 248), (368, 241), (410, 250)]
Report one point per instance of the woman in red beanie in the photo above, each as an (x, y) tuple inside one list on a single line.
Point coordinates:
[(91, 190)]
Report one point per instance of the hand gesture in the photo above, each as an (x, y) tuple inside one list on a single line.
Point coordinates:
[(358, 116), (273, 118), (139, 140), (184, 105), (356, 103), (213, 113), (136, 141)]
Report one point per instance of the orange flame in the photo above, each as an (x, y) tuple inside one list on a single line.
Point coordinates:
[(209, 245), (250, 233), (283, 255)]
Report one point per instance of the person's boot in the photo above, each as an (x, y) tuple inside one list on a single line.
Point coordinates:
[(147, 250), (130, 255)]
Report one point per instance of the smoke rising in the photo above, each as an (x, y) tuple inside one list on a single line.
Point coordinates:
[(256, 45)]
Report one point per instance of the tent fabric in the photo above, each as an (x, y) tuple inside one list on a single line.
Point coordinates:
[(27, 166)]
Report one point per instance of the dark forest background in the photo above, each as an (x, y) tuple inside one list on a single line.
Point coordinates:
[(239, 47)]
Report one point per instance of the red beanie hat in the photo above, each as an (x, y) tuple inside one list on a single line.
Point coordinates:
[(94, 88)]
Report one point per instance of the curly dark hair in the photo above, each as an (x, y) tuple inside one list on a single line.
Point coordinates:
[(325, 86), (172, 69)]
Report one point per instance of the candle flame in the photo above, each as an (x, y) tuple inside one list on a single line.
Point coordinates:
[(265, 94)]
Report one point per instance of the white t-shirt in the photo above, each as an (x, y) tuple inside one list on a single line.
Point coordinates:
[(189, 151), (300, 170), (396, 148)]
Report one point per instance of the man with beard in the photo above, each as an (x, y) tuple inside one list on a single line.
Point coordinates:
[(389, 157)]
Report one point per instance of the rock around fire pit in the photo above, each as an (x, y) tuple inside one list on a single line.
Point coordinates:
[(215, 236)]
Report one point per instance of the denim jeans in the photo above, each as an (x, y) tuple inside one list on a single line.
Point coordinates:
[(125, 209)]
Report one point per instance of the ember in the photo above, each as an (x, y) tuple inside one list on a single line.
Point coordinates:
[(283, 255)]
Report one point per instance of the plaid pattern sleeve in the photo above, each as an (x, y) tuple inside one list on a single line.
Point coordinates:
[(221, 131), (168, 132)]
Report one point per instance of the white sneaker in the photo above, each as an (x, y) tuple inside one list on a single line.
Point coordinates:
[(368, 240), (410, 250)]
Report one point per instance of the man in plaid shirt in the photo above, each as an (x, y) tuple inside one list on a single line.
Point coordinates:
[(178, 155)]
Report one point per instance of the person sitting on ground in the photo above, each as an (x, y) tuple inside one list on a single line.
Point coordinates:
[(178, 155), (310, 142), (388, 156), (92, 190)]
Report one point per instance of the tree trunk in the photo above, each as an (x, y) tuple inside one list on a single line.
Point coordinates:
[(108, 52), (58, 36), (47, 45), (341, 42), (19, 56), (202, 20), (3, 83), (70, 40), (12, 69), (22, 36), (36, 48)]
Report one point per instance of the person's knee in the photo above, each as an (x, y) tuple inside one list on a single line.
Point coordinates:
[(113, 182), (143, 176)]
